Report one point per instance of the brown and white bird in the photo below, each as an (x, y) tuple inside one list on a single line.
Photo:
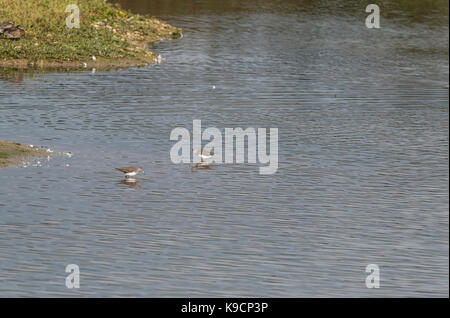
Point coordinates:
[(6, 25), (14, 33), (10, 31), (130, 171)]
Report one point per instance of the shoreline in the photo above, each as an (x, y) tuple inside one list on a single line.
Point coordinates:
[(108, 37), (99, 64), (14, 154)]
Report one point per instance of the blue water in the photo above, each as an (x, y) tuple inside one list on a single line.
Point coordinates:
[(363, 162)]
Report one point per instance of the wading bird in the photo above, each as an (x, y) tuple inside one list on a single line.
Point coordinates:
[(204, 155), (130, 171)]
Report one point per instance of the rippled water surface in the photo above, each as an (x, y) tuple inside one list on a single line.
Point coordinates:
[(363, 159)]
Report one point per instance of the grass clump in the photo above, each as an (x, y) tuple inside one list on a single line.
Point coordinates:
[(112, 35)]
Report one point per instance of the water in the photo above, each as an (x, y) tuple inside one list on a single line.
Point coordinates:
[(363, 159)]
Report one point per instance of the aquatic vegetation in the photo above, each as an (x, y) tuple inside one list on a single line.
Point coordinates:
[(114, 36)]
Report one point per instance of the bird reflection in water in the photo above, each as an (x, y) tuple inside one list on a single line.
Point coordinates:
[(201, 166), (131, 182)]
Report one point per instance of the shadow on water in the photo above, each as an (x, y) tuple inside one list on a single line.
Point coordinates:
[(13, 76), (417, 11)]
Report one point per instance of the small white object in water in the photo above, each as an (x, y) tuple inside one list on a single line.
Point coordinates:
[(68, 154), (31, 146), (49, 150), (159, 59), (84, 65), (67, 165), (214, 87), (94, 58), (93, 70)]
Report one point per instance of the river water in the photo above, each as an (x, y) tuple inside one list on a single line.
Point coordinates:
[(363, 169)]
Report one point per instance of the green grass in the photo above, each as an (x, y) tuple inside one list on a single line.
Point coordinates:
[(105, 31)]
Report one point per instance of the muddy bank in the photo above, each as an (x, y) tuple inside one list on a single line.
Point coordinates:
[(14, 154)]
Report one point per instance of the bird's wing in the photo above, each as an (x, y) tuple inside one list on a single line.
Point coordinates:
[(126, 169)]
